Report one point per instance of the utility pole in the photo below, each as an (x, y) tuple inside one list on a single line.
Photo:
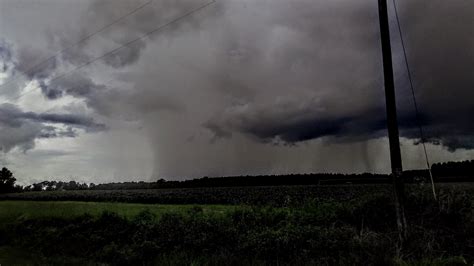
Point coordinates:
[(392, 123)]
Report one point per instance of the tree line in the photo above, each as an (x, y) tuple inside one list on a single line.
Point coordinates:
[(443, 172)]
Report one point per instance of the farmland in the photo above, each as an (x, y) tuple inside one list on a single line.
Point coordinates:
[(270, 195), (11, 211), (326, 225), (275, 196)]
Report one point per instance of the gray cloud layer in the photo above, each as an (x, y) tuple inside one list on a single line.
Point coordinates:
[(5, 56), (243, 73), (344, 66), (21, 129)]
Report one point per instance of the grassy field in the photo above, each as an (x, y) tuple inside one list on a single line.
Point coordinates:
[(347, 225), (12, 211)]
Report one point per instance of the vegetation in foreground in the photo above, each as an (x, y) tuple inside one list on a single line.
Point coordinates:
[(15, 211), (359, 231)]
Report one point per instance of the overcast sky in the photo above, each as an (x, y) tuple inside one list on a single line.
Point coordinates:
[(238, 87)]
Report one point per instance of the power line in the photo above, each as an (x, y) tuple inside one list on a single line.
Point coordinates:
[(417, 115), (86, 38), (123, 45)]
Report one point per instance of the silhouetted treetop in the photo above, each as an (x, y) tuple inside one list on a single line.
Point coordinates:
[(7, 181)]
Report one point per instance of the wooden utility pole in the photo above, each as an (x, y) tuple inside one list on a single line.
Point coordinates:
[(392, 123)]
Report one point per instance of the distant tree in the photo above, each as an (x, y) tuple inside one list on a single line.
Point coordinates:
[(7, 181), (71, 185), (18, 188), (37, 187)]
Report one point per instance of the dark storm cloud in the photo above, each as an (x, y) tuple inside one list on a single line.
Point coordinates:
[(49, 92), (143, 21), (125, 56), (52, 132), (259, 52), (13, 116), (76, 85), (78, 121), (291, 124), (450, 134), (440, 46), (243, 74), (6, 56), (32, 63), (440, 49), (308, 69), (72, 54), (73, 46), (127, 102), (24, 63), (21, 129)]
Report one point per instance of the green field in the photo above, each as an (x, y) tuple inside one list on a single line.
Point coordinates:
[(12, 211), (344, 225)]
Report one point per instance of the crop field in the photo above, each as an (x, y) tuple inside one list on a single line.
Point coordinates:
[(270, 195), (286, 225)]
